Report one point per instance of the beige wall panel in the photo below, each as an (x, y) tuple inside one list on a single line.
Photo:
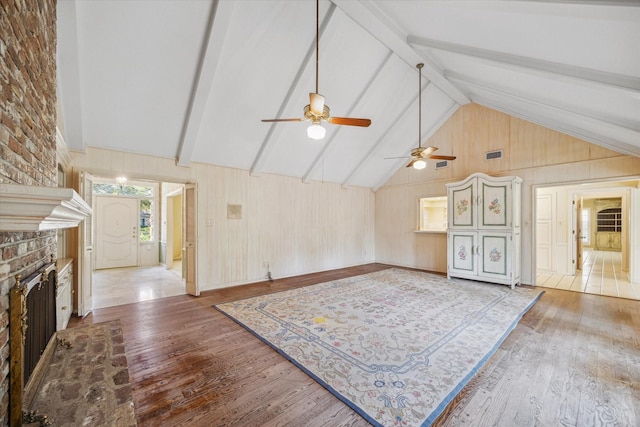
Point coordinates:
[(110, 164), (297, 228), (597, 152), (431, 251), (538, 155), (483, 130), (613, 166), (537, 146), (396, 223)]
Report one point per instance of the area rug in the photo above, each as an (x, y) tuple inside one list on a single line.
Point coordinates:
[(394, 345)]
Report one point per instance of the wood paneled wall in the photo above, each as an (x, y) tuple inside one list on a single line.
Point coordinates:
[(294, 227), (538, 155)]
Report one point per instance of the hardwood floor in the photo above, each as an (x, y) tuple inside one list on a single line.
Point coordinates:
[(572, 360)]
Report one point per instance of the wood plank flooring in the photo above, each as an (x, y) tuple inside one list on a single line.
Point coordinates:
[(574, 359)]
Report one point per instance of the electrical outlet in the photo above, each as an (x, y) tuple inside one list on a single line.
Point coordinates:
[(209, 222)]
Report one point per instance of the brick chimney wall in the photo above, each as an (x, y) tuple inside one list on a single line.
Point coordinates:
[(27, 141)]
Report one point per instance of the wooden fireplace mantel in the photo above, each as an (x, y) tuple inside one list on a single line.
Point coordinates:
[(34, 208)]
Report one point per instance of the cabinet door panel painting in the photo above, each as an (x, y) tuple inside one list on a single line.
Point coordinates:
[(494, 255), (494, 205), (463, 206), (462, 247)]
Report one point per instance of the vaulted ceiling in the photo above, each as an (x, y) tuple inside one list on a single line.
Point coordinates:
[(191, 80)]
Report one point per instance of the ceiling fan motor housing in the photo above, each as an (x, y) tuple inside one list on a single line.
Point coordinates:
[(310, 115)]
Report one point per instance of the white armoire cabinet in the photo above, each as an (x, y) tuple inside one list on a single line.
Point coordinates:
[(483, 232)]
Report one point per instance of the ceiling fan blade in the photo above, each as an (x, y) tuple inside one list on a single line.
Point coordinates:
[(428, 150), (282, 120), (316, 103), (411, 163), (435, 157), (349, 121)]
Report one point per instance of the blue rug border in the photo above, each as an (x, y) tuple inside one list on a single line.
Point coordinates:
[(333, 391), (445, 402), (437, 411)]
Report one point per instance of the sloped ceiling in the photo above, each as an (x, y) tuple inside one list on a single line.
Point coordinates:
[(191, 80)]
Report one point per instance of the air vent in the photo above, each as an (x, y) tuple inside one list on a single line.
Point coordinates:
[(442, 164), (491, 155)]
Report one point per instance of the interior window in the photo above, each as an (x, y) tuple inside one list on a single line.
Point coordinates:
[(432, 214)]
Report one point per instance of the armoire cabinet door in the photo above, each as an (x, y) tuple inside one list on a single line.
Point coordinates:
[(463, 247), (462, 205), (495, 259), (494, 211)]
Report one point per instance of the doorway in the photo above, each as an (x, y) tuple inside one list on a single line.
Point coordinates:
[(123, 276), (571, 225)]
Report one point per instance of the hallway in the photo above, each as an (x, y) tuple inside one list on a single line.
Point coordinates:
[(118, 286), (601, 274)]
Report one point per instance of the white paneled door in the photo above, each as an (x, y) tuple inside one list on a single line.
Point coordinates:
[(116, 240), (544, 232)]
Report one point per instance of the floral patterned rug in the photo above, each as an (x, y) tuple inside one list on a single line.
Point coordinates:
[(394, 345)]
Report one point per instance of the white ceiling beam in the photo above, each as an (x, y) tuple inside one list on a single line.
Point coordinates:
[(267, 143), (71, 103), (601, 77), (348, 113), (525, 97), (604, 134), (627, 3), (219, 19), (368, 16), (424, 137)]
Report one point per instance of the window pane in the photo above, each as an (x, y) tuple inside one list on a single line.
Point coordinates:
[(125, 190), (146, 220)]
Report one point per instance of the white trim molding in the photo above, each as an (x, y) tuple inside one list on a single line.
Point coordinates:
[(32, 208)]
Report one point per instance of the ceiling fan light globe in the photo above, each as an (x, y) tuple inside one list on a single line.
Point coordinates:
[(419, 164), (315, 131)]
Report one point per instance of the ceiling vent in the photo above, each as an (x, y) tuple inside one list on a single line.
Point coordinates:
[(491, 155), (442, 164)]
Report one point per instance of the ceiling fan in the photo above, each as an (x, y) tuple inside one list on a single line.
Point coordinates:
[(317, 111), (420, 153)]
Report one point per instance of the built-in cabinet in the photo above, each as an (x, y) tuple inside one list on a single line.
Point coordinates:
[(64, 288), (483, 235), (609, 229), (606, 241)]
